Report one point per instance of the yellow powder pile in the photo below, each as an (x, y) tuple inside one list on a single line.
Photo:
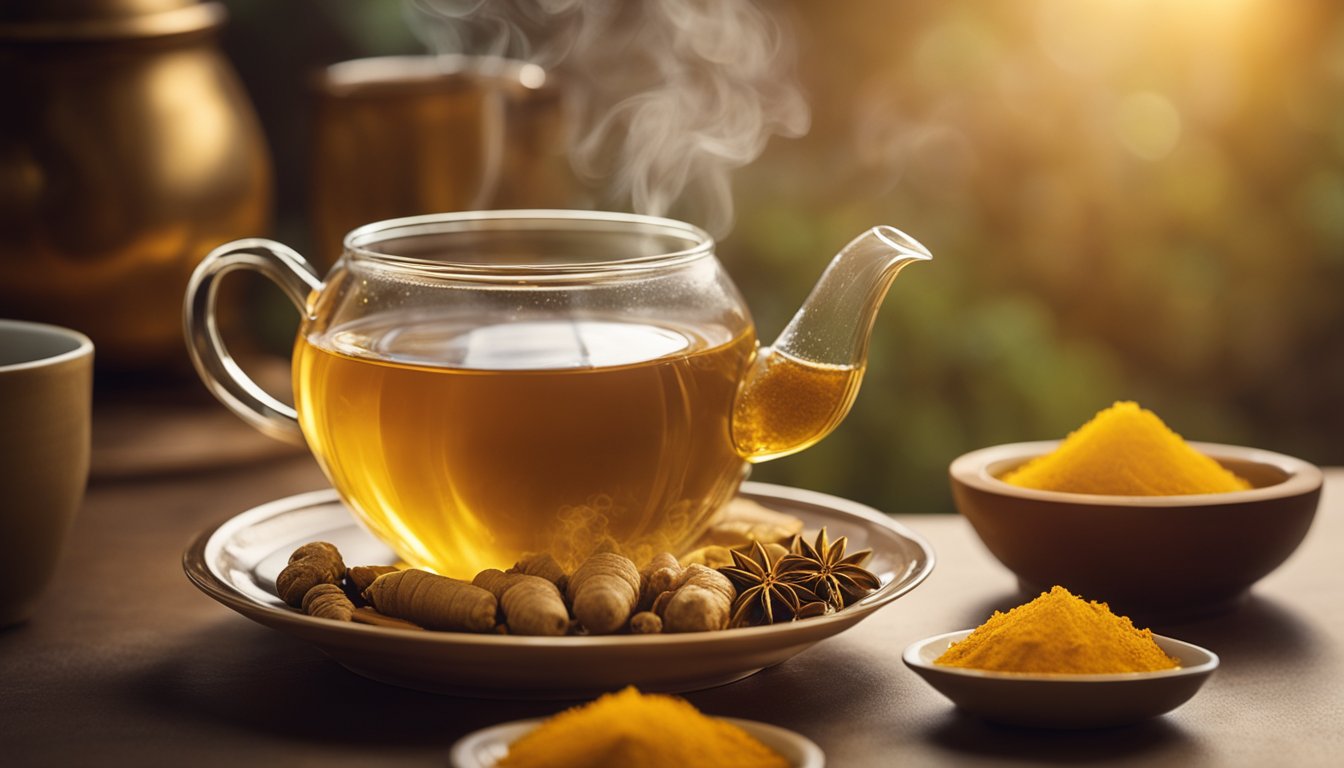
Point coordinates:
[(632, 730), (1058, 633), (1125, 451)]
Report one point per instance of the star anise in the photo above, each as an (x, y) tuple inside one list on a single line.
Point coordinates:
[(825, 569), (762, 597)]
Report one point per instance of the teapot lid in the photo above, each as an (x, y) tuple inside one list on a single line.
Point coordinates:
[(76, 20)]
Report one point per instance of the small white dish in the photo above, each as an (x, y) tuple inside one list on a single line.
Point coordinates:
[(486, 747), (1064, 701)]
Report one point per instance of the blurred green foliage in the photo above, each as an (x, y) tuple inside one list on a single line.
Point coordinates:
[(1126, 199)]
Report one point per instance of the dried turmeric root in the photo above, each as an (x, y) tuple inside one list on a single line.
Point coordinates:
[(657, 577), (310, 565), (713, 556), (742, 521), (646, 623), (367, 615), (604, 592), (700, 601), (433, 601), (531, 605), (361, 576), (328, 601), (544, 565)]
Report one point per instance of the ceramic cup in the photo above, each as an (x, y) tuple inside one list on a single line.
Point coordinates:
[(46, 384)]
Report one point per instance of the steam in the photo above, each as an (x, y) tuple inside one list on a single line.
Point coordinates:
[(669, 97)]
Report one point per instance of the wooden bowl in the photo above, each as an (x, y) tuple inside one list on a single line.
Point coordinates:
[(1145, 555)]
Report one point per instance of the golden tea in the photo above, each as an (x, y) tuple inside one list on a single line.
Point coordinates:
[(788, 404), (472, 444)]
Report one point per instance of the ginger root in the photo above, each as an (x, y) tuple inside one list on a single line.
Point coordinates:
[(433, 601), (531, 604), (700, 601), (657, 577), (328, 601), (604, 592), (310, 565)]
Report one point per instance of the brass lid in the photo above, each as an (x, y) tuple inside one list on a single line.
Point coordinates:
[(76, 20)]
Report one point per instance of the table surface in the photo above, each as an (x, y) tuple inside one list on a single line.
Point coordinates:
[(127, 664)]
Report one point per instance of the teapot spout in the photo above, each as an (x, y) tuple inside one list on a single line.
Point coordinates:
[(835, 323), (800, 388)]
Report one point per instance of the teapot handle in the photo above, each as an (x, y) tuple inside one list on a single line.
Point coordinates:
[(222, 375)]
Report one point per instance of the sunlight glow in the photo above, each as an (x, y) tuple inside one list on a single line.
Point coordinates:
[(1148, 125)]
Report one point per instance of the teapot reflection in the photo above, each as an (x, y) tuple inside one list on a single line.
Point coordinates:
[(481, 385)]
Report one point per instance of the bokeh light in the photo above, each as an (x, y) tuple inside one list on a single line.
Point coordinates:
[(1125, 198)]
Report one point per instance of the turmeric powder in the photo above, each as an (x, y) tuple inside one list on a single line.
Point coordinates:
[(1125, 450), (1058, 633), (433, 601), (633, 729)]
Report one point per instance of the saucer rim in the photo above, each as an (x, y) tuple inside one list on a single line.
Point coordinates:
[(198, 564)]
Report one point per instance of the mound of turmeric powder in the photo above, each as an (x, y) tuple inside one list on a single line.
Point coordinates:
[(1125, 450), (1058, 633), (633, 730)]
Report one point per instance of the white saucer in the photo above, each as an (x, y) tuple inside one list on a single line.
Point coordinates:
[(236, 564), (1064, 701), (486, 747)]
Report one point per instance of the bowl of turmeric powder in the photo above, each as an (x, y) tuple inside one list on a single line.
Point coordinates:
[(633, 728), (1060, 661), (1126, 508)]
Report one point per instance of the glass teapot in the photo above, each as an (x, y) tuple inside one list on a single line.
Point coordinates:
[(482, 385)]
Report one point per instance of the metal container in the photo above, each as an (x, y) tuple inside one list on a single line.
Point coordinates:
[(128, 150), (407, 135)]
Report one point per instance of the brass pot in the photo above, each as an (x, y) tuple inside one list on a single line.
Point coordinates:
[(407, 135), (129, 149)]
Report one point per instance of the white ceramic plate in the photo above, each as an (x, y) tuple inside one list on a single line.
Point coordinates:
[(484, 748), (236, 563), (1064, 701)]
